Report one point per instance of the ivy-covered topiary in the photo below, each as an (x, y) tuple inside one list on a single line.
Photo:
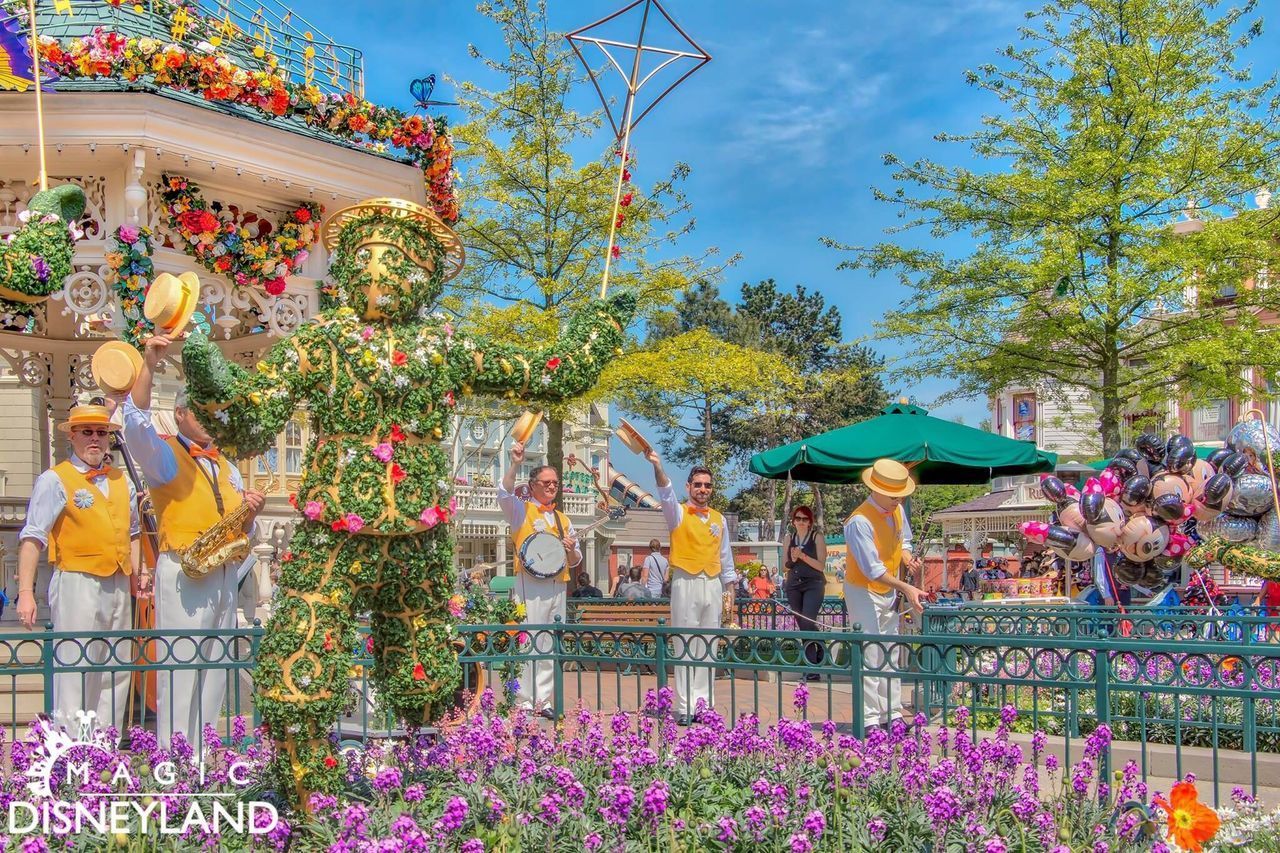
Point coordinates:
[(36, 259), (381, 375)]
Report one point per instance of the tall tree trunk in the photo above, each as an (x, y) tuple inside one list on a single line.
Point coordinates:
[(1112, 406), (819, 508), (786, 505), (555, 445)]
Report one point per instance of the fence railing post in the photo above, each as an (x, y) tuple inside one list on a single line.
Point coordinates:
[(47, 655), (855, 674), (255, 640), (1102, 702), (660, 653), (557, 655)]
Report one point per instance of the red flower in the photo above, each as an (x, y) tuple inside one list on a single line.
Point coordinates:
[(419, 674), (223, 263), (616, 252), (626, 174), (448, 398), (293, 499), (275, 287), (302, 214), (553, 362), (399, 358), (287, 557), (626, 200), (395, 434), (198, 221), (328, 641), (330, 762), (368, 644), (619, 219), (340, 524), (397, 473)]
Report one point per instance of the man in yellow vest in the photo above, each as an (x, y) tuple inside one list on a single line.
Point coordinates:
[(543, 597), (878, 540), (192, 486), (702, 573), (83, 510)]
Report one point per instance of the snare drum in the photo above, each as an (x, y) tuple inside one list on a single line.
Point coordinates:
[(542, 555)]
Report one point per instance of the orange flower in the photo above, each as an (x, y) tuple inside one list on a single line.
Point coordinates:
[(1230, 664), (1191, 823), (420, 674)]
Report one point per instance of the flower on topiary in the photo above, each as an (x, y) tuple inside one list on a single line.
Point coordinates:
[(36, 258)]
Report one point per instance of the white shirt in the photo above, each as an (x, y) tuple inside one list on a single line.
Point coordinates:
[(861, 539), (154, 455), (513, 509), (655, 566), (49, 499), (673, 513)]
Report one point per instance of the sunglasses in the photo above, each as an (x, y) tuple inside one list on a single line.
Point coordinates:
[(548, 483), (93, 433)]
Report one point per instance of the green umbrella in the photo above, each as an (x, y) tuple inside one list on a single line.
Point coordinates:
[(938, 451)]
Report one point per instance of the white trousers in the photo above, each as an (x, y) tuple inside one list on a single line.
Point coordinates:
[(697, 601), (544, 599), (881, 696), (83, 602), (188, 698)]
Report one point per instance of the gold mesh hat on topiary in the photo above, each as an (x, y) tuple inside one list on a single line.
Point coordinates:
[(398, 208)]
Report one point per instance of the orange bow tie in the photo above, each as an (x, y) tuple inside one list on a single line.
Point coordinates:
[(702, 511), (547, 507), (97, 472), (201, 453)]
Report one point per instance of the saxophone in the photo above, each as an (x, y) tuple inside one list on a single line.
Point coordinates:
[(222, 543)]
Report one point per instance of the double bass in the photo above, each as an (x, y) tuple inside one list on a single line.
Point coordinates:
[(144, 609)]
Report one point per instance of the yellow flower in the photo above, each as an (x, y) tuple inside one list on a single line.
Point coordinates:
[(367, 358), (420, 622), (521, 611), (255, 398)]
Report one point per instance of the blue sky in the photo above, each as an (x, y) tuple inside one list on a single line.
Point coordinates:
[(784, 130)]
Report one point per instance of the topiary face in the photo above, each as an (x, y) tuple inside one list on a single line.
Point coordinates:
[(386, 268)]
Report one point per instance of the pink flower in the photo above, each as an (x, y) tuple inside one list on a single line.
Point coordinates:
[(431, 516), (354, 522), (448, 398), (457, 604), (453, 506), (313, 510), (384, 451), (448, 330), (128, 234), (366, 333)]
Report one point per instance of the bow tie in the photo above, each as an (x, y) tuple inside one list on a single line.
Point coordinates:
[(201, 453), (547, 507), (97, 472), (700, 511)]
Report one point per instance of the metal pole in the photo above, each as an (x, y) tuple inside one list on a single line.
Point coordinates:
[(35, 75)]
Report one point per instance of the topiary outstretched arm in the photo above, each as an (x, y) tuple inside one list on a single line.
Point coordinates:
[(566, 368), (243, 409)]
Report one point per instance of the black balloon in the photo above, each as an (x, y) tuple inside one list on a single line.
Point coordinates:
[(1123, 466), (1216, 457), (1180, 454), (1055, 490), (1151, 447), (1136, 490), (1093, 506), (1062, 537), (1169, 507), (1126, 571), (1130, 454), (1217, 491), (1234, 465)]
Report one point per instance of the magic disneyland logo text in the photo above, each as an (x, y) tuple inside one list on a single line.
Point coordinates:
[(85, 786)]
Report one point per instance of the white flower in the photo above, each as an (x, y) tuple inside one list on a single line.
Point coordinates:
[(383, 299), (304, 681), (221, 415), (400, 380), (83, 498)]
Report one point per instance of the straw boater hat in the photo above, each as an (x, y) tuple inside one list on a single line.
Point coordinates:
[(525, 426), (398, 208), (171, 301), (115, 367), (88, 415), (632, 438), (889, 478)]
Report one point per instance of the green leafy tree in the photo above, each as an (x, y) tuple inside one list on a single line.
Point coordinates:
[(537, 220), (1062, 261)]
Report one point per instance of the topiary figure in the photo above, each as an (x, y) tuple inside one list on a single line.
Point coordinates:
[(36, 258), (380, 374)]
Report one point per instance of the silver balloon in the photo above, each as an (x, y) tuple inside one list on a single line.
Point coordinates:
[(1248, 436), (1233, 528), (1269, 532), (1252, 495)]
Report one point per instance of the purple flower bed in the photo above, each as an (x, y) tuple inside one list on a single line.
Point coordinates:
[(638, 782)]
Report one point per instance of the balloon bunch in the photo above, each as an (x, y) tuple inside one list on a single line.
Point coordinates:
[(1138, 506)]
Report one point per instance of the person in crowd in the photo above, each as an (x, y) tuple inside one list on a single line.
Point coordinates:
[(85, 512), (619, 578), (762, 585), (878, 539), (585, 589), (1113, 592), (702, 572), (1269, 600), (633, 588), (805, 557), (544, 598), (969, 582), (192, 488), (656, 570)]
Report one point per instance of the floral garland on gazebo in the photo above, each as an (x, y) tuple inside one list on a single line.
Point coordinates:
[(210, 72), (129, 273)]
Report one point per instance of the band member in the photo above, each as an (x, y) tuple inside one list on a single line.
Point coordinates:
[(83, 510), (878, 539), (192, 486), (544, 598), (702, 572)]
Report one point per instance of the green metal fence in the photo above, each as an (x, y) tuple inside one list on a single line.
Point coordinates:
[(1176, 700)]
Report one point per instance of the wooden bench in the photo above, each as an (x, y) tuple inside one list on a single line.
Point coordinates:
[(639, 614)]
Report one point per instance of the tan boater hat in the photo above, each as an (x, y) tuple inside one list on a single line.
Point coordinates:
[(525, 425), (632, 438), (115, 367), (88, 416), (171, 301), (887, 477)]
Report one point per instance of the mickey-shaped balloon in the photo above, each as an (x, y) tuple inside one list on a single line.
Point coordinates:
[(1179, 454), (1143, 538), (1069, 544), (1104, 519)]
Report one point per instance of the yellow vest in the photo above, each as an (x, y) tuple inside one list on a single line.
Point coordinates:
[(532, 514), (888, 539), (694, 547), (92, 539), (184, 506)]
